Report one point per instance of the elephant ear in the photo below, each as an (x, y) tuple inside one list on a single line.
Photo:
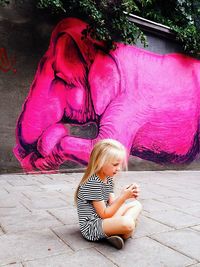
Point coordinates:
[(104, 81), (103, 77), (73, 28)]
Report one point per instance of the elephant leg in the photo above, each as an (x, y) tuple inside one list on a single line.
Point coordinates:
[(69, 148), (51, 136), (45, 145), (26, 161), (114, 124)]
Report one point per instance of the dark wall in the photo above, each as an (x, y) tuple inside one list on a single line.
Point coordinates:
[(24, 37)]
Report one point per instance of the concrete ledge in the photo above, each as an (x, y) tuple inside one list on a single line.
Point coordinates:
[(152, 27)]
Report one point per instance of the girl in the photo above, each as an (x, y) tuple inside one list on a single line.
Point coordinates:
[(101, 215)]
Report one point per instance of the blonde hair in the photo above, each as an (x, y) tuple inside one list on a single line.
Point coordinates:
[(103, 152)]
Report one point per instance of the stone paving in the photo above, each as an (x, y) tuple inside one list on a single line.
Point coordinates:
[(39, 225)]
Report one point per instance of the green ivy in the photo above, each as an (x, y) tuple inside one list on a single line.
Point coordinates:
[(4, 2), (108, 20), (183, 17), (55, 5)]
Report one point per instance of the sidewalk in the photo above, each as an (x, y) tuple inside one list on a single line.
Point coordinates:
[(39, 226)]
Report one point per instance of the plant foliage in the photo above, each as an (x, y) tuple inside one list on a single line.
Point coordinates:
[(4, 2), (108, 20), (183, 17)]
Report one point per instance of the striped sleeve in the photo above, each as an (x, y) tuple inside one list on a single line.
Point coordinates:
[(111, 185), (93, 190)]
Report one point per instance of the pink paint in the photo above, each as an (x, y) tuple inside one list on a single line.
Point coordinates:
[(149, 102)]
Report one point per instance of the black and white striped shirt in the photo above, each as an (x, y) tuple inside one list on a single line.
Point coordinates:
[(93, 190)]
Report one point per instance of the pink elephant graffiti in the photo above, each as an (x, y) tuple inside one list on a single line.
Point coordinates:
[(149, 102)]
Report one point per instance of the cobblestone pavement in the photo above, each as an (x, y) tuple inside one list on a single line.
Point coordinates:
[(39, 226)]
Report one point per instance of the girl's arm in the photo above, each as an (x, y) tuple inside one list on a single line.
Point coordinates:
[(111, 198), (107, 212)]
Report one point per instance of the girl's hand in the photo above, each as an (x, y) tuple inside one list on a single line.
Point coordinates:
[(132, 191), (136, 190)]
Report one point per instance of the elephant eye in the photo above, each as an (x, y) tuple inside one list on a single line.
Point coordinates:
[(70, 84), (65, 79)]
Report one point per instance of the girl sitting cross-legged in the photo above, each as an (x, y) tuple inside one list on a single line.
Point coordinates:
[(101, 215)]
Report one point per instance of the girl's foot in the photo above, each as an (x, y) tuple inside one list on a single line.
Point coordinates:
[(116, 241)]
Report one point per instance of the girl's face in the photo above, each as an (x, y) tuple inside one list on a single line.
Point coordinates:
[(111, 168)]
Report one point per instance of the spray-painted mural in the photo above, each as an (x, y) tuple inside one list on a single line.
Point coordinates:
[(147, 101)]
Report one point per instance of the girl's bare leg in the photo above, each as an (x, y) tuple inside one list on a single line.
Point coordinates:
[(118, 225), (133, 212), (123, 222), (126, 208)]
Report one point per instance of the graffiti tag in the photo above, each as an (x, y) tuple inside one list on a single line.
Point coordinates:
[(6, 63)]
